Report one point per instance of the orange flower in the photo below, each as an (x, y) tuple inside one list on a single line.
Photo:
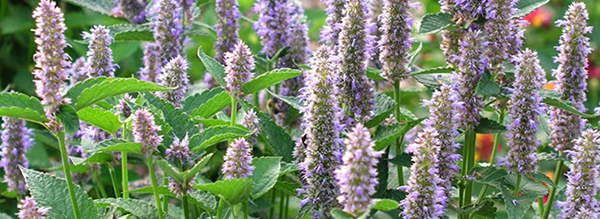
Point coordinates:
[(485, 145), (541, 17)]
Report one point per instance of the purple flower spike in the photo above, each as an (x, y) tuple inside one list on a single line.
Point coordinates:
[(132, 10), (322, 128), (425, 194), (464, 11), (179, 150), (271, 24), (442, 117), (395, 40), (582, 184), (29, 209), (227, 27), (571, 74), (357, 176), (335, 13), (239, 64), (526, 105), (471, 65), (356, 90), (152, 63), (374, 33), (99, 55), (16, 140), (504, 32), (238, 160), (168, 30), (145, 131), (51, 62), (78, 71), (251, 122), (174, 74)]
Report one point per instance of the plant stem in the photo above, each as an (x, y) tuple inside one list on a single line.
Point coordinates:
[(220, 209), (557, 172), (125, 175), (99, 184), (155, 187), (60, 136), (186, 210), (245, 209), (468, 164), (272, 212), (111, 172), (281, 204), (518, 185), (493, 155), (233, 109), (399, 140), (287, 205)]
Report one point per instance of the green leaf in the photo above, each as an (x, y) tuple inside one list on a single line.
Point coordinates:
[(403, 159), (131, 32), (269, 79), (90, 91), (68, 116), (489, 126), (381, 142), (103, 152), (21, 106), (216, 134), (487, 86), (50, 191), (290, 100), (385, 204), (265, 175), (489, 175), (436, 70), (138, 208), (176, 118), (384, 106), (213, 67), (100, 118), (432, 23), (170, 170), (563, 105), (213, 102), (189, 175), (205, 200), (275, 137), (527, 6), (374, 74), (231, 190), (162, 190), (337, 213), (101, 6)]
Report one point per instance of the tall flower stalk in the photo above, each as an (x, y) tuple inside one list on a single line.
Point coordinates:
[(582, 184), (132, 10), (227, 27), (271, 25), (357, 176), (16, 141), (322, 153), (374, 33), (238, 160), (526, 105), (356, 90), (503, 31), (395, 40), (239, 64), (175, 75), (335, 14), (50, 73), (152, 63), (168, 29), (99, 55)]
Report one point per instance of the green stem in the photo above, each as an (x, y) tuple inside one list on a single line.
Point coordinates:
[(186, 210), (113, 179), (287, 205), (99, 184), (494, 152), (557, 172), (220, 209), (60, 136), (399, 140), (272, 212), (468, 164), (233, 109), (518, 185), (281, 204), (154, 183), (125, 175)]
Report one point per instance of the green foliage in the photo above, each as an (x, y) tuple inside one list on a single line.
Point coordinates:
[(22, 106), (432, 23), (100, 118), (527, 6), (231, 190), (213, 67), (138, 208), (265, 175), (269, 79), (216, 134)]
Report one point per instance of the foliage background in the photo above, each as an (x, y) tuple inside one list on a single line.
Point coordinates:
[(17, 49)]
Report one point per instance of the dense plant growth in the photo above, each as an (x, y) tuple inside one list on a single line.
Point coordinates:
[(303, 129)]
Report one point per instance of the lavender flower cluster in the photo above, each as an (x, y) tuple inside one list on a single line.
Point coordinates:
[(99, 55), (16, 141)]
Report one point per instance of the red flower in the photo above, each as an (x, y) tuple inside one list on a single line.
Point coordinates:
[(541, 17)]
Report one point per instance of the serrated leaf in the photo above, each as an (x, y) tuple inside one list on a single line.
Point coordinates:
[(216, 134), (274, 136), (205, 200), (100, 118), (265, 174), (176, 118), (487, 86), (432, 23), (131, 32), (381, 142), (22, 106), (213, 67), (337, 213), (489, 126), (101, 6), (233, 191), (436, 70), (269, 79), (374, 74), (138, 208), (195, 101), (188, 175), (162, 190), (524, 7), (384, 106), (103, 151), (170, 170), (213, 104), (290, 100), (489, 175), (403, 159), (90, 91), (385, 204), (68, 117), (212, 122), (563, 105), (50, 191)]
